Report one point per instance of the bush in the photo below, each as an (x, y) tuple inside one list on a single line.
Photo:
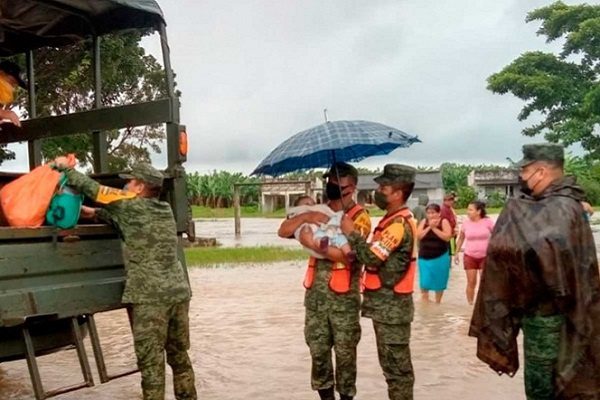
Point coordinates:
[(592, 190), (466, 194), (495, 199)]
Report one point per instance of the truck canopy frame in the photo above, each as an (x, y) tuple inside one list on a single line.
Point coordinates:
[(30, 24)]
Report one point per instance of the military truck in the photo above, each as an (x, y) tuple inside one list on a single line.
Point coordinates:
[(53, 282)]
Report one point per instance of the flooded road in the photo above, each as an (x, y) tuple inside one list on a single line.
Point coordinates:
[(247, 341)]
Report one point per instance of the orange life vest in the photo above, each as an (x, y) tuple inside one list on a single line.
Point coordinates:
[(339, 282), (371, 280)]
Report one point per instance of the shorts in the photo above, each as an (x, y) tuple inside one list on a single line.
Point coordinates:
[(473, 262)]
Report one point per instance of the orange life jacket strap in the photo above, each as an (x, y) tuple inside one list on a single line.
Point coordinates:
[(354, 210), (371, 280), (387, 220)]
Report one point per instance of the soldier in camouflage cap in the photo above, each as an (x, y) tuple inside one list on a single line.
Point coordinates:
[(156, 285), (541, 275), (390, 266), (145, 173), (332, 305), (549, 152)]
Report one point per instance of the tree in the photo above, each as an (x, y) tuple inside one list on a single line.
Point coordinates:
[(454, 176), (65, 83), (563, 88)]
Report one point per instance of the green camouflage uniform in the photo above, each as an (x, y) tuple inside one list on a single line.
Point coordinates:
[(391, 313), (333, 321), (156, 284)]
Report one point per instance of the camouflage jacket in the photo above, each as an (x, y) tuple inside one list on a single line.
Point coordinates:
[(149, 234), (541, 260), (384, 305), (319, 296)]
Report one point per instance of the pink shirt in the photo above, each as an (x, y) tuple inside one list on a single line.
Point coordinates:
[(477, 235)]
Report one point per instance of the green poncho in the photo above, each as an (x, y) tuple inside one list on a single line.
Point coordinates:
[(541, 260)]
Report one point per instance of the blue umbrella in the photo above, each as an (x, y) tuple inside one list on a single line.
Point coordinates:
[(333, 141)]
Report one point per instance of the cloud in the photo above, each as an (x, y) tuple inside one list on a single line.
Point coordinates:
[(254, 72)]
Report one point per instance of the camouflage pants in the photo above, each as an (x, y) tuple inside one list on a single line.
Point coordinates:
[(394, 357), (324, 330), (157, 329), (541, 340)]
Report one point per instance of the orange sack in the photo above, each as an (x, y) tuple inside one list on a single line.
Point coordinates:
[(25, 200)]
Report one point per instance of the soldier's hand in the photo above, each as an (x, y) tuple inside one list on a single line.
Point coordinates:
[(88, 212), (65, 162), (347, 225), (10, 116)]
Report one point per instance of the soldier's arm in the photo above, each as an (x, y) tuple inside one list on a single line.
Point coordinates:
[(289, 226), (81, 182), (384, 251), (364, 255)]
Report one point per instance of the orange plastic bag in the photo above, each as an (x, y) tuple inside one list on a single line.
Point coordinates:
[(25, 200)]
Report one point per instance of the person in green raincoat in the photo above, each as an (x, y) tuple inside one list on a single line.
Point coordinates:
[(541, 277)]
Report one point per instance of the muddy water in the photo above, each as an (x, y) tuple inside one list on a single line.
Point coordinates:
[(247, 341)]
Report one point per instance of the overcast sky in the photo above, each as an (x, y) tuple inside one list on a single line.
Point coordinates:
[(252, 73)]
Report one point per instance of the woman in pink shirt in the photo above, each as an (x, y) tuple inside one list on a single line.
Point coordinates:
[(476, 231)]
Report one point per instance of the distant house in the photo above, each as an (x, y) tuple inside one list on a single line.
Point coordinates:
[(426, 182), (505, 181), (276, 194)]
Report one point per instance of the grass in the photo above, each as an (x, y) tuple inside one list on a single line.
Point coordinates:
[(210, 256), (246, 211), (254, 212)]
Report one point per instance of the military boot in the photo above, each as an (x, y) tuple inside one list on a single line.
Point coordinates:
[(346, 397), (326, 394)]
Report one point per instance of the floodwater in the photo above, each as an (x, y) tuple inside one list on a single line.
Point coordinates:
[(247, 340)]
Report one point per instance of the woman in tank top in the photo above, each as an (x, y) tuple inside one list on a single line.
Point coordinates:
[(434, 233), (475, 233)]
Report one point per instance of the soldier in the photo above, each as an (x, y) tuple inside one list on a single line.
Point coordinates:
[(419, 211), (156, 285), (332, 299), (390, 264), (541, 275)]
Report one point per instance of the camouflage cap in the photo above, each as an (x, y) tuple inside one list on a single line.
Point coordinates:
[(145, 172), (541, 152), (343, 170), (396, 173)]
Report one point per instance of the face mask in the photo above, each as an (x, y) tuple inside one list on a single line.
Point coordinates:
[(6, 92), (381, 200), (126, 187), (333, 191), (523, 184)]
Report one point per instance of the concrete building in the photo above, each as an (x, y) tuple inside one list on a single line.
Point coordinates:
[(505, 181), (426, 182), (276, 194)]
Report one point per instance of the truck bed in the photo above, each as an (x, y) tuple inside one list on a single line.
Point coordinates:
[(47, 273)]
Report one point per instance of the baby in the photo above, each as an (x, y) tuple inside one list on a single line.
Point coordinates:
[(326, 234)]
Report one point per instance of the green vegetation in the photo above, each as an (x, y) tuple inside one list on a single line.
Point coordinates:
[(246, 211), (210, 256), (216, 189), (64, 84), (561, 88)]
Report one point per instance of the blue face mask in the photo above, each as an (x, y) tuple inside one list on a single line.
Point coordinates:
[(126, 187)]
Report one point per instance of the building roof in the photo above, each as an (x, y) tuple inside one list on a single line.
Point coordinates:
[(423, 180), (505, 176)]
